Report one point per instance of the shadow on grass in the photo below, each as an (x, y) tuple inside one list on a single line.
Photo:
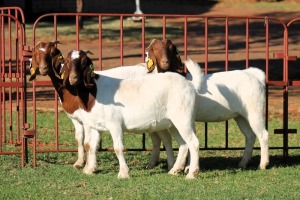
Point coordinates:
[(231, 163)]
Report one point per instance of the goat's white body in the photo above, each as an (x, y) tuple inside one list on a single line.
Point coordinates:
[(145, 104), (238, 95)]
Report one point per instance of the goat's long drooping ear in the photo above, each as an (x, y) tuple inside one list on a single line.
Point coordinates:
[(88, 76), (33, 63), (65, 71), (176, 62), (32, 69), (150, 62)]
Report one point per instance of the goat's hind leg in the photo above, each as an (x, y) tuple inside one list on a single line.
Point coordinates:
[(255, 128), (155, 150), (249, 140), (156, 138), (262, 134), (182, 153)]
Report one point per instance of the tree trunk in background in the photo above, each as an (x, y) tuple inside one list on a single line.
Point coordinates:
[(79, 9)]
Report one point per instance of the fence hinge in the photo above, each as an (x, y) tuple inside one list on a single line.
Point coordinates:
[(28, 133), (282, 55)]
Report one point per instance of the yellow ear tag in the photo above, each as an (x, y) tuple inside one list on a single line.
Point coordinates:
[(149, 63), (62, 75), (32, 71)]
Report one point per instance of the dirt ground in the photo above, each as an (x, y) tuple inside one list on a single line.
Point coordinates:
[(226, 8)]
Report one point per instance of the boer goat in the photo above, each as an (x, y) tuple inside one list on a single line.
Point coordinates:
[(144, 104), (49, 60), (163, 55), (238, 95)]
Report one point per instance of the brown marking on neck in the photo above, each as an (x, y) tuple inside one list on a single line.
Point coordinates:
[(79, 95)]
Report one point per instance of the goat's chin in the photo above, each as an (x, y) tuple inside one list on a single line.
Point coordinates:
[(164, 66)]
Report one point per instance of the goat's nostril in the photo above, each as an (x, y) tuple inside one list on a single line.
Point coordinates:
[(43, 67), (165, 62)]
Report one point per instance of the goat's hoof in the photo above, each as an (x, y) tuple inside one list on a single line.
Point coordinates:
[(242, 165), (123, 176), (78, 164), (150, 166), (192, 175), (88, 171), (263, 167), (174, 172)]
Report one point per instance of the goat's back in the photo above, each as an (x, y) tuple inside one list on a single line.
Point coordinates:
[(146, 103)]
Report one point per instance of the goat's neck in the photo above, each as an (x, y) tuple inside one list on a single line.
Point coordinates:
[(74, 97)]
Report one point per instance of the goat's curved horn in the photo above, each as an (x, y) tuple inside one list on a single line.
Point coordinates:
[(56, 42), (88, 52)]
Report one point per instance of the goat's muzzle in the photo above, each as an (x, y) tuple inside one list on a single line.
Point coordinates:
[(164, 64), (74, 79), (43, 70)]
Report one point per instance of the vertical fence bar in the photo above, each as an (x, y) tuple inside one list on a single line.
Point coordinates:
[(143, 60), (205, 71), (247, 42), (185, 38), (226, 69), (55, 93), (164, 27), (100, 41), (286, 98), (121, 40)]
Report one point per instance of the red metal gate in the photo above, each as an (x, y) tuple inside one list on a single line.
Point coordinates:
[(213, 41), (13, 119)]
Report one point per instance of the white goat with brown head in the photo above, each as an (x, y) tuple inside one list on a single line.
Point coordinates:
[(145, 104), (238, 95), (48, 59)]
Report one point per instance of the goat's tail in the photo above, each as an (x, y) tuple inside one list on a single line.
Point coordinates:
[(196, 73), (257, 73)]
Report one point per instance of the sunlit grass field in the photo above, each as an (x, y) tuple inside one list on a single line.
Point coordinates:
[(219, 178)]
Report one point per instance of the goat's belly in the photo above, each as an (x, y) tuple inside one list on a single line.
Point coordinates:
[(147, 126), (215, 115)]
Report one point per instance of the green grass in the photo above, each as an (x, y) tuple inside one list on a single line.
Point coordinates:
[(55, 178)]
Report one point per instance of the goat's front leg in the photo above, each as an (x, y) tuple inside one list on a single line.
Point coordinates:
[(117, 136), (79, 136), (91, 143)]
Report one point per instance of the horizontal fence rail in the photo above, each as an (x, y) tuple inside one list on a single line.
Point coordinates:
[(218, 43)]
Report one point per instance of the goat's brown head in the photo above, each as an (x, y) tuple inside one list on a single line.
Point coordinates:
[(79, 68), (47, 58), (164, 55)]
